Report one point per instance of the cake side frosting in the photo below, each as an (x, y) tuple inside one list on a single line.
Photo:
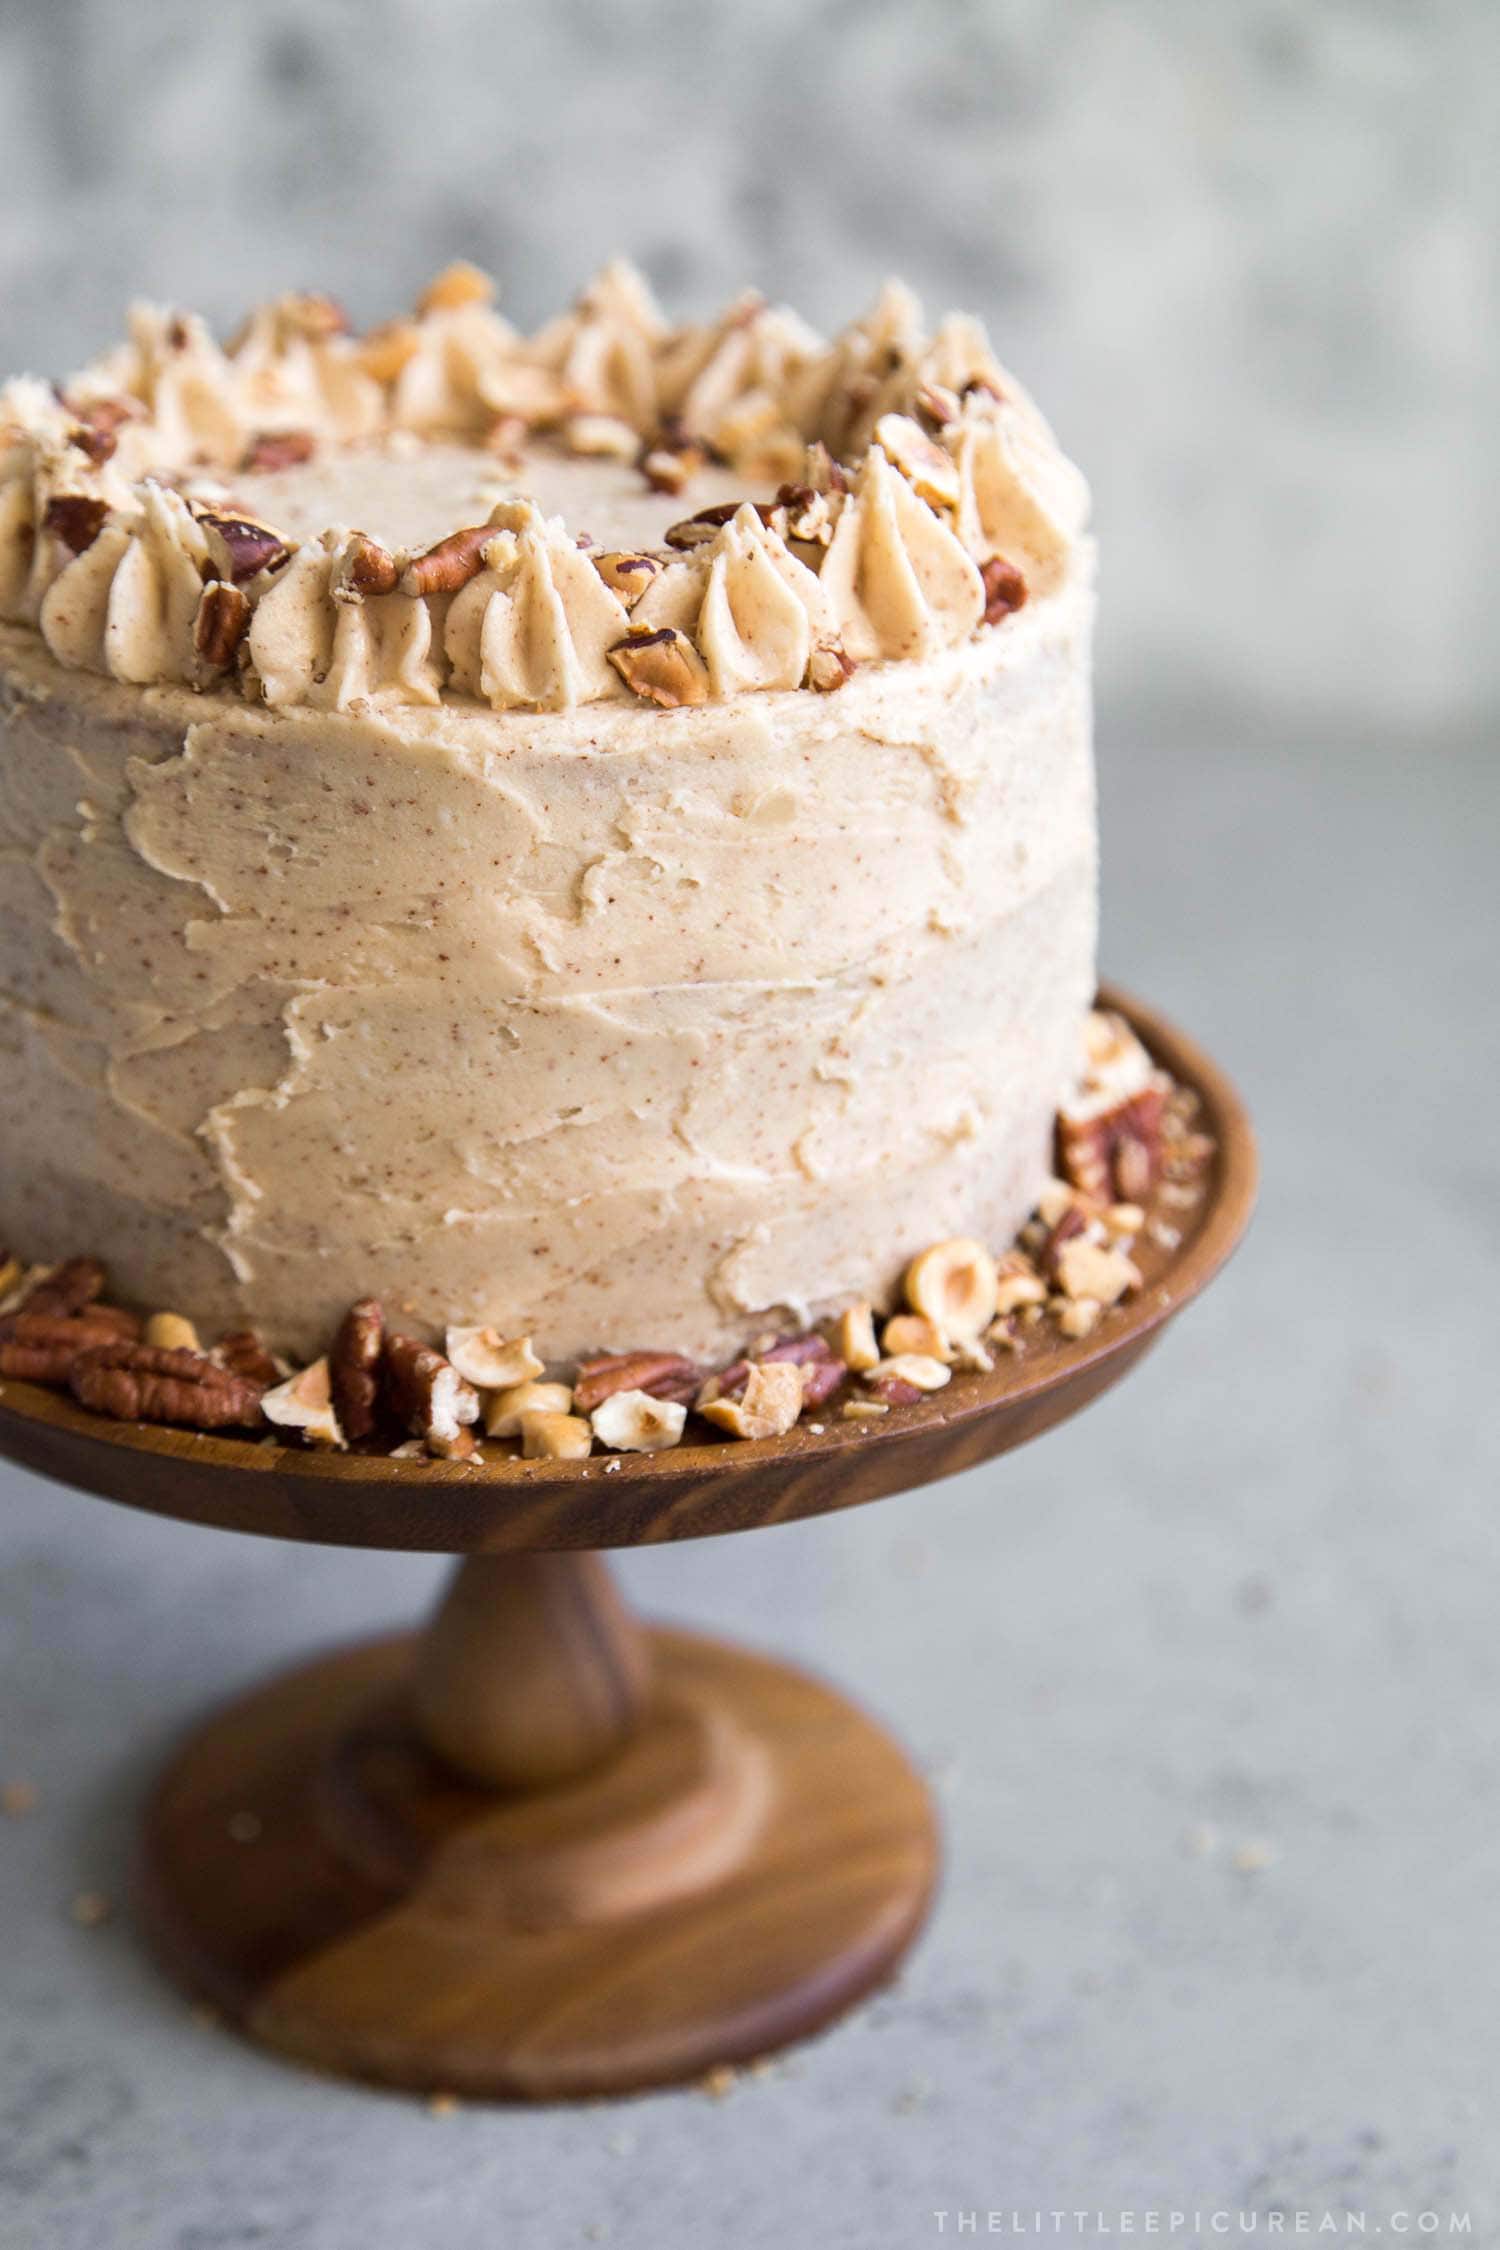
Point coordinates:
[(628, 1030), (589, 834)]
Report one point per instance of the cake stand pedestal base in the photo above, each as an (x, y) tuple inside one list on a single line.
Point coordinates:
[(537, 1851)]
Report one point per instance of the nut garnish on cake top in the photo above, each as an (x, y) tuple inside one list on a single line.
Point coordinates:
[(918, 499), (383, 1392)]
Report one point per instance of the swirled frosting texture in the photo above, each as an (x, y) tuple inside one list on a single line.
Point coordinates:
[(432, 863), (621, 1031)]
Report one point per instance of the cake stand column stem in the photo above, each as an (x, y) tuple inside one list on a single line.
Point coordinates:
[(531, 1671)]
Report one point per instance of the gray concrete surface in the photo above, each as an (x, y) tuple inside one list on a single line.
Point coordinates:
[(1243, 250), (1209, 1682)]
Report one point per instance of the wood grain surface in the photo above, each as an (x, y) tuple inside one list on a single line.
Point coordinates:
[(509, 1504), (754, 1859)]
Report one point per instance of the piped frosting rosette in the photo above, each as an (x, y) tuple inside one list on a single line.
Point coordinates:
[(920, 499)]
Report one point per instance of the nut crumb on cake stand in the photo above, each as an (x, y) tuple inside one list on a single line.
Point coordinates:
[(537, 1851)]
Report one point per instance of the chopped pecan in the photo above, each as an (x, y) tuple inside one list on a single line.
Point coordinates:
[(627, 575), (243, 1352), (364, 568), (893, 1390), (829, 669), (67, 1288), (931, 473), (662, 667), (1070, 1226), (1115, 1153), (139, 1383), (820, 1379), (246, 545), (354, 1367), (278, 449), (658, 1374), (671, 457), (40, 1347), (98, 443), (807, 513), (221, 624), (698, 530), (809, 1351), (1004, 588), (427, 1395), (448, 567), (76, 518)]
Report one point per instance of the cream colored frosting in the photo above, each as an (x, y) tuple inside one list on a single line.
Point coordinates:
[(949, 464), (404, 950)]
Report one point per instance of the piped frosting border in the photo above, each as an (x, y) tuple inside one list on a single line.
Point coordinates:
[(920, 499)]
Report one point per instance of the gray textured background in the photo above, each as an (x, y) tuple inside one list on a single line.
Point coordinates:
[(1245, 253), (1209, 1682)]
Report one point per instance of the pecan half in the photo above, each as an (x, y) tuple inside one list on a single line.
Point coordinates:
[(354, 1367), (76, 518), (429, 1397), (451, 564), (278, 449), (40, 1347), (67, 1289), (1004, 588), (141, 1383), (662, 667), (248, 546), (659, 1374), (221, 624)]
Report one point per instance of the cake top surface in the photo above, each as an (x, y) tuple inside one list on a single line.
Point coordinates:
[(445, 508)]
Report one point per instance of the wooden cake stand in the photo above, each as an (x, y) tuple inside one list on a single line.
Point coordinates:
[(538, 1850)]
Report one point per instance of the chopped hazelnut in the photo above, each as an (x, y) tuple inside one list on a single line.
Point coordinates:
[(492, 1362), (458, 284), (955, 1285), (503, 1409), (305, 1402), (1086, 1269), (768, 1406), (555, 1437), (917, 1368), (635, 1422), (914, 1332), (854, 1337)]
